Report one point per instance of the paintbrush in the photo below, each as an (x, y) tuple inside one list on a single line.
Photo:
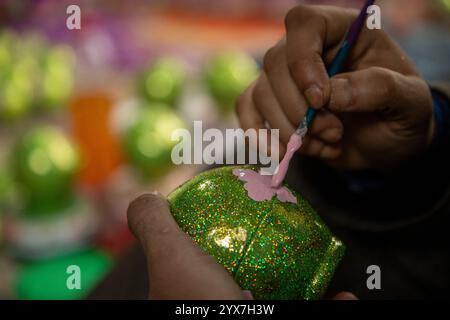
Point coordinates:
[(335, 67), (339, 60)]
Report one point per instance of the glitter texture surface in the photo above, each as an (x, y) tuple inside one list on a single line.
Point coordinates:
[(277, 250)]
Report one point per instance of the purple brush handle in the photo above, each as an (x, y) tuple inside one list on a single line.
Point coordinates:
[(358, 24)]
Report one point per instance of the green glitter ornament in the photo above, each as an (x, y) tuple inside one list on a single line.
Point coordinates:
[(277, 250)]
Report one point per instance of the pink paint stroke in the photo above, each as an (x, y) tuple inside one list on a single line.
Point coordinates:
[(259, 187), (295, 142)]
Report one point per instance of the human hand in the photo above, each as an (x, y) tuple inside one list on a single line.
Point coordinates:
[(376, 115), (177, 268)]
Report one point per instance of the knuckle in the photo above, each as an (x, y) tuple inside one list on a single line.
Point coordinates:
[(379, 73), (290, 17), (269, 59), (300, 64), (388, 79), (304, 70), (389, 85), (296, 67), (296, 14)]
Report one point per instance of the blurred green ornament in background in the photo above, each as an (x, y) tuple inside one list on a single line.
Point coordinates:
[(446, 4), (17, 91), (148, 141), (7, 38), (227, 75), (46, 163), (57, 77), (33, 74), (163, 81), (277, 250), (29, 44)]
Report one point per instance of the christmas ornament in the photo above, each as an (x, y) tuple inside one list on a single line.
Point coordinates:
[(57, 77), (227, 75), (275, 249), (33, 74), (17, 90), (163, 81), (45, 164), (148, 142)]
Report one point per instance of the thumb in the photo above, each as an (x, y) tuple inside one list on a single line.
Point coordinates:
[(345, 296), (178, 269), (378, 90)]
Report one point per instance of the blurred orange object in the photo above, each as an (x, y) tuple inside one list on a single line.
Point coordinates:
[(99, 146)]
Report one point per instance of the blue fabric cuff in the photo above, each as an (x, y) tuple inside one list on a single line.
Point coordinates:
[(441, 109)]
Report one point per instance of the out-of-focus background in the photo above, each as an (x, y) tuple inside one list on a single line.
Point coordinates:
[(86, 115)]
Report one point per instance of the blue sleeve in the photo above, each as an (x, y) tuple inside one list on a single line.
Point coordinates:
[(441, 109)]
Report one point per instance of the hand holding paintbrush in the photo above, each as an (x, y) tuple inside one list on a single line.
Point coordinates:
[(373, 116), (295, 142)]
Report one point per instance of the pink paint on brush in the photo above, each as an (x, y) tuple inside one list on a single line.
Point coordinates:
[(259, 188), (295, 142)]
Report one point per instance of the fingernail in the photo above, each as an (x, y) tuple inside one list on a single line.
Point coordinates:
[(154, 192), (341, 97), (314, 96)]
